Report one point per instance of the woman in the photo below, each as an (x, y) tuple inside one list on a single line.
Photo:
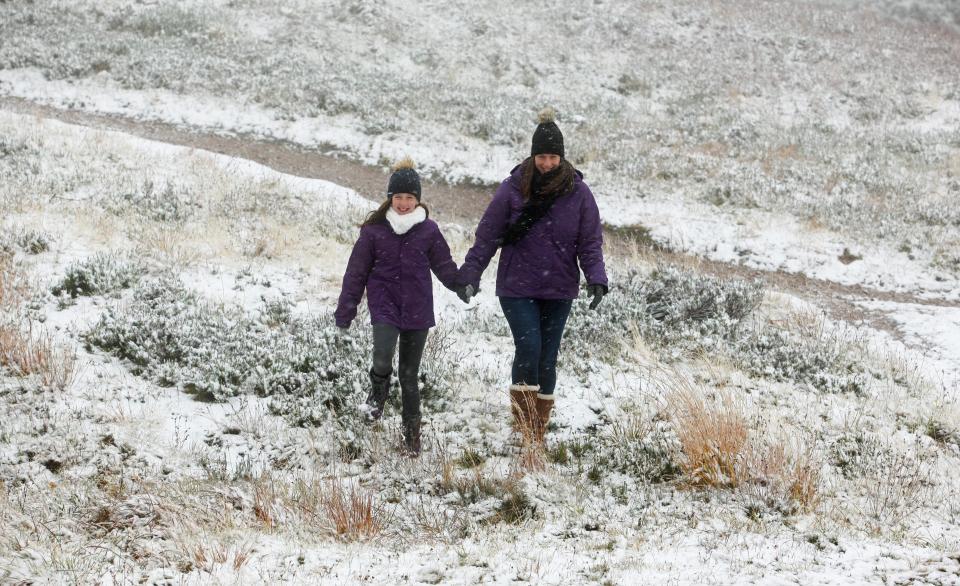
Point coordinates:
[(545, 219), (397, 248)]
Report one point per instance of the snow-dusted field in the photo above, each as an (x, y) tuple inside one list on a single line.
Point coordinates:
[(178, 408), (843, 116)]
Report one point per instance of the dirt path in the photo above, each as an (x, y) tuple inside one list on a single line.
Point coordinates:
[(456, 203), (464, 204)]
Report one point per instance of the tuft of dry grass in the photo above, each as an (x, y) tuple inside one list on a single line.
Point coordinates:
[(14, 286), (721, 450), (352, 513), (804, 481), (27, 352), (206, 556), (787, 472), (166, 245), (713, 437), (241, 556), (532, 457), (264, 499), (434, 521)]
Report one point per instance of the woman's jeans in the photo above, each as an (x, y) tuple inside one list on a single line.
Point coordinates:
[(412, 342), (537, 326)]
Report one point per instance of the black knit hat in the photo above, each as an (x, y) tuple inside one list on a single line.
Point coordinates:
[(547, 138), (404, 179)]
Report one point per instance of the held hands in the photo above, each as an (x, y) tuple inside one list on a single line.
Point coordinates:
[(597, 292), (466, 292)]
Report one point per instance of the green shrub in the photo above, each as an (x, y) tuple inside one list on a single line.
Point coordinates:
[(307, 367), (102, 274), (781, 354), (674, 310)]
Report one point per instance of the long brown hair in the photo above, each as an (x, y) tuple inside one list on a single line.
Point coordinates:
[(380, 214), (560, 184)]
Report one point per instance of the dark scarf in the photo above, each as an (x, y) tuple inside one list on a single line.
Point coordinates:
[(536, 207)]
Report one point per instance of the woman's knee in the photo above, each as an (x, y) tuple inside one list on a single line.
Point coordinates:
[(382, 362)]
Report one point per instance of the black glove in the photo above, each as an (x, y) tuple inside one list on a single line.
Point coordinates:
[(466, 292), (597, 292)]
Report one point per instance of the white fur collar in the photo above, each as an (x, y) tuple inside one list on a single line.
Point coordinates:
[(401, 224)]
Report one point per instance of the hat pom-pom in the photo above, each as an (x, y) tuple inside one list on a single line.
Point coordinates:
[(404, 163), (548, 114)]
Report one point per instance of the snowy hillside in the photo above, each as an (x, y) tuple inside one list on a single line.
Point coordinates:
[(178, 407), (843, 115)]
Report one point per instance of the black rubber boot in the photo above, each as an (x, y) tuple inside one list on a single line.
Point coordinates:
[(410, 395), (379, 391), (411, 436)]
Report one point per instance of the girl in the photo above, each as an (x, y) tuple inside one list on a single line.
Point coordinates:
[(546, 221), (397, 248)]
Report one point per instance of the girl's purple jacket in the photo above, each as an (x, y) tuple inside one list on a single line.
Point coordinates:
[(542, 265), (395, 269)]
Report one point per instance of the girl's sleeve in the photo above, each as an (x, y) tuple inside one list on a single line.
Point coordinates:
[(355, 279), (590, 247), (489, 232), (441, 262)]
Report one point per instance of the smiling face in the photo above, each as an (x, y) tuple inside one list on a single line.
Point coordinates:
[(403, 203), (546, 163)]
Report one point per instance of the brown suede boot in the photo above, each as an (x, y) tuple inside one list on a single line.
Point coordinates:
[(523, 399), (543, 407)]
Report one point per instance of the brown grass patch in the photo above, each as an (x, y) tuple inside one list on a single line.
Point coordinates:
[(14, 286), (713, 149), (789, 472), (719, 449), (27, 352), (352, 513), (264, 504), (713, 437)]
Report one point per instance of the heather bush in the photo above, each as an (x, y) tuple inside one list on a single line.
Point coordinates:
[(641, 448), (676, 311), (310, 370), (172, 337), (166, 203), (826, 364), (101, 274)]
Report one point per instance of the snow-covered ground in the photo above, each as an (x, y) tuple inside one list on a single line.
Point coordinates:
[(146, 483), (820, 141), (795, 134)]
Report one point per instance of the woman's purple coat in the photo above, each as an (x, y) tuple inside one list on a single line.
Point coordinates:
[(395, 269), (542, 265)]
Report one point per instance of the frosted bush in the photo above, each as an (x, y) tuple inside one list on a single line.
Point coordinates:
[(160, 20), (33, 241), (674, 310), (167, 203), (10, 146), (894, 481), (643, 450), (311, 371), (29, 241), (825, 364), (101, 274), (171, 336)]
